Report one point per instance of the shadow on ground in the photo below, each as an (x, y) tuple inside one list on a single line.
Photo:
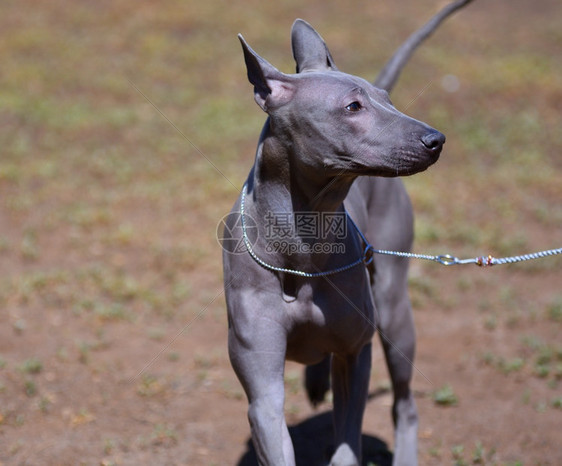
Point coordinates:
[(313, 444)]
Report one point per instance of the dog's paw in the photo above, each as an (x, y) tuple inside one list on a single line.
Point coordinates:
[(344, 456)]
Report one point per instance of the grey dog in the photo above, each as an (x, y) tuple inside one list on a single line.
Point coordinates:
[(328, 157)]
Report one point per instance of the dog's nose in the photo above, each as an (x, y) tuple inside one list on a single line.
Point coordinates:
[(433, 140)]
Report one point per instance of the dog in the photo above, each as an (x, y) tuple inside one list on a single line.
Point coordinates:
[(304, 286)]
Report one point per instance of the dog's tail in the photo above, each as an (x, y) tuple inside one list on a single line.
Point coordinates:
[(389, 75)]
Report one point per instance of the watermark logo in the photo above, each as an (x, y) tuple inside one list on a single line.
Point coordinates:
[(305, 232), (286, 233), (230, 233)]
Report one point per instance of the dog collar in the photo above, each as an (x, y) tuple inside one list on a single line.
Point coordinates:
[(365, 259)]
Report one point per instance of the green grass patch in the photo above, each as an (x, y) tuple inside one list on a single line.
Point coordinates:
[(31, 366), (445, 396)]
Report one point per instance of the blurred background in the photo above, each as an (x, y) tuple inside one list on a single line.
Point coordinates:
[(126, 131)]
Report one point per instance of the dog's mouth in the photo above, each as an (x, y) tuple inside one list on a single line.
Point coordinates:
[(412, 157), (417, 164), (410, 162), (399, 163)]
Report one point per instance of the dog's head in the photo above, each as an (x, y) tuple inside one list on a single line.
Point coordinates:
[(335, 122)]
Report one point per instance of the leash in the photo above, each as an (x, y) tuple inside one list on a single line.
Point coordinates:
[(369, 251), (481, 261), (448, 259)]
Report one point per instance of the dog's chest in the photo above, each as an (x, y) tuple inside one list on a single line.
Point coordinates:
[(334, 316)]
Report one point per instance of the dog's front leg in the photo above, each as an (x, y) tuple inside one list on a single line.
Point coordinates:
[(350, 386), (258, 358)]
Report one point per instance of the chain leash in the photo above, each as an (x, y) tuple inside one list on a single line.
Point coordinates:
[(369, 251)]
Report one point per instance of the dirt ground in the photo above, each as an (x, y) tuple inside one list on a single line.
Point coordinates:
[(115, 121)]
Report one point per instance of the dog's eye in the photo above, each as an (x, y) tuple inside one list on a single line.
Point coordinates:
[(353, 107)]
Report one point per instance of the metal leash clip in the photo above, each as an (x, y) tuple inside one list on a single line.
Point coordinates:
[(447, 259), (368, 254)]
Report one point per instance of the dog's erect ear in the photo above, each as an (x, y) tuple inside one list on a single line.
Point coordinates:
[(272, 88), (309, 49)]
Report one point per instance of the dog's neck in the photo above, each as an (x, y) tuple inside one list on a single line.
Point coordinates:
[(279, 186), (281, 182)]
